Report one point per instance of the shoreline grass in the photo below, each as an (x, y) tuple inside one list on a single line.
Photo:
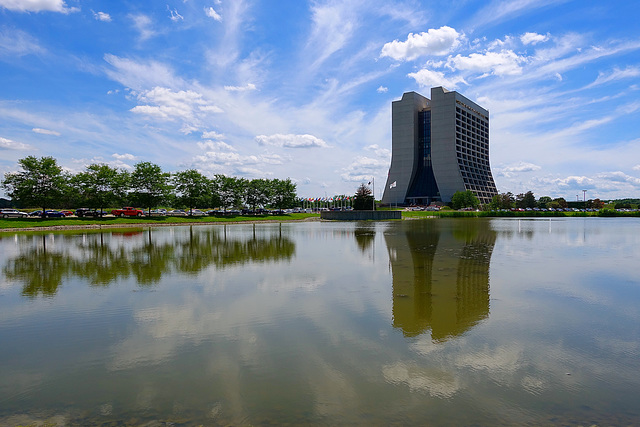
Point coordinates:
[(11, 224), (26, 224)]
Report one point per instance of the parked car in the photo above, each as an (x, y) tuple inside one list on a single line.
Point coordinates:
[(67, 213), (196, 212), (35, 213), (53, 214), (176, 212), (158, 212), (82, 212), (127, 211), (12, 213)]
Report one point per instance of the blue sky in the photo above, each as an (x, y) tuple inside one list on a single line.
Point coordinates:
[(303, 89)]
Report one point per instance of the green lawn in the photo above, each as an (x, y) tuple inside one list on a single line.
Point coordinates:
[(18, 223)]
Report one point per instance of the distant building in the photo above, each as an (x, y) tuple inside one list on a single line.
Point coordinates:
[(439, 146)]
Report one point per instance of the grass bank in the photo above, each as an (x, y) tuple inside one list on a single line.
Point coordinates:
[(36, 223), (515, 214)]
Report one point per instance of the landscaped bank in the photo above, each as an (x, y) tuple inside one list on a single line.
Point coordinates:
[(10, 224)]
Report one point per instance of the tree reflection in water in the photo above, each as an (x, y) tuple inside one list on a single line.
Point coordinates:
[(440, 275), (365, 237), (101, 258)]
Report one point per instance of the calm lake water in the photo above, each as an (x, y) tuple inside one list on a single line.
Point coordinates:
[(422, 322)]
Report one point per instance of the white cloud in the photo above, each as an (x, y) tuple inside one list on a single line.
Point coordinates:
[(211, 13), (291, 141), (507, 42), (102, 16), (501, 63), (236, 159), (619, 177), (170, 105), (143, 25), (37, 6), (139, 75), (7, 144), (174, 15), (363, 169), (636, 168), (522, 167), (15, 42), (249, 172), (439, 41), (382, 89), (210, 109), (380, 152), (212, 135), (46, 131), (428, 78), (333, 26), (125, 156), (249, 86), (499, 10), (575, 182), (215, 145), (616, 74), (533, 38)]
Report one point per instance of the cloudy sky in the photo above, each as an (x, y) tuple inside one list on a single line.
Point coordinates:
[(303, 89)]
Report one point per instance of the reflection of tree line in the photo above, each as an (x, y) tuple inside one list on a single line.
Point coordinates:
[(42, 270), (440, 274)]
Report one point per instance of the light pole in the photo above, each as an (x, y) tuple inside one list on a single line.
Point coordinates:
[(584, 196)]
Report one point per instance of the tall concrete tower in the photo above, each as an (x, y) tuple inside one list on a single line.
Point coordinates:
[(439, 146)]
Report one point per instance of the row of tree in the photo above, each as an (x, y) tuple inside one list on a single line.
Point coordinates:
[(43, 183), (528, 200), (467, 199)]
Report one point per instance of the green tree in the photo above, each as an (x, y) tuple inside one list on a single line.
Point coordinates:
[(526, 200), (101, 185), (544, 201), (193, 189), (283, 194), (464, 199), (363, 199), (559, 202), (595, 204), (149, 185), (257, 193), (502, 201), (41, 183), (230, 190)]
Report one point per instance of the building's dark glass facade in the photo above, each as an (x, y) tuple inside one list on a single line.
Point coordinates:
[(423, 189)]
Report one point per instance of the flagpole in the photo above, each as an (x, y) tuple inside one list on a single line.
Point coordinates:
[(373, 185)]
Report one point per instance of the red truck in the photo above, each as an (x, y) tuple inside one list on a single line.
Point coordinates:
[(127, 211)]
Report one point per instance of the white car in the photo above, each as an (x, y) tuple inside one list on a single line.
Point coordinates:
[(12, 213), (176, 212)]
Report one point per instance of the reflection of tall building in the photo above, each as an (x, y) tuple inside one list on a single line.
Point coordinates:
[(440, 272)]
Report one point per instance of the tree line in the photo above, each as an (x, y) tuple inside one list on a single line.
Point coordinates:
[(44, 184), (467, 199)]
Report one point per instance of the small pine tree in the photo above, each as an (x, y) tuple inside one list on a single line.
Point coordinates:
[(363, 200)]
